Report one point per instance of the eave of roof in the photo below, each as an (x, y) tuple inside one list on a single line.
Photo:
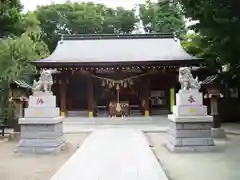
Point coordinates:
[(111, 49)]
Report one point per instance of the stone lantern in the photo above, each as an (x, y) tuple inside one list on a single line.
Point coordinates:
[(214, 94), (18, 97), (19, 103)]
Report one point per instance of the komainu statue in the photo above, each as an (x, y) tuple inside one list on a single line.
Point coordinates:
[(186, 79), (45, 82)]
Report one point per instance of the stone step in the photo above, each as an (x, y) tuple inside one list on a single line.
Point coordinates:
[(77, 113), (113, 122)]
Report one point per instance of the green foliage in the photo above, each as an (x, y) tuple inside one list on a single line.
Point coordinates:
[(195, 44), (83, 18), (165, 16), (17, 53), (219, 27), (10, 17)]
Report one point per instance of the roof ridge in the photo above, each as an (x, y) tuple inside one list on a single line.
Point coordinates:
[(116, 36)]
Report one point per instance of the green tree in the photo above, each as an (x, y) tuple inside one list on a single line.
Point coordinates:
[(164, 17), (84, 18), (219, 26), (10, 17), (17, 53), (195, 44)]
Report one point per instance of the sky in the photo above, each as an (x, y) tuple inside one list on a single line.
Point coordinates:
[(30, 5)]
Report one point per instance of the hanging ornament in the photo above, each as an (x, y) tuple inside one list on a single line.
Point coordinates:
[(122, 83), (117, 87), (110, 85), (164, 70), (125, 85), (103, 83), (130, 82)]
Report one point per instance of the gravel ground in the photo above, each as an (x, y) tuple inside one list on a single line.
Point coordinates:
[(34, 167), (221, 164)]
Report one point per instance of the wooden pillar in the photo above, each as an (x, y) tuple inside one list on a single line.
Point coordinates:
[(172, 99), (63, 97), (146, 97), (90, 98)]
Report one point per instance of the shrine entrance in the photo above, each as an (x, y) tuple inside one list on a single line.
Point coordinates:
[(116, 98)]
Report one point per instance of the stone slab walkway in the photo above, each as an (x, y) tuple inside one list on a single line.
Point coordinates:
[(83, 125), (112, 154)]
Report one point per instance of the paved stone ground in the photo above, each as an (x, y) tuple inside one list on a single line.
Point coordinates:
[(113, 154), (152, 124), (221, 164), (84, 124), (34, 167), (232, 128)]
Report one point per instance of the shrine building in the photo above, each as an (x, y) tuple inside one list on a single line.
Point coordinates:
[(116, 74)]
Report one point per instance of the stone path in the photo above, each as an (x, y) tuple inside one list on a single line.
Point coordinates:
[(82, 125), (112, 154)]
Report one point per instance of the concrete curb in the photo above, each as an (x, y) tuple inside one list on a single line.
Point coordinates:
[(232, 133)]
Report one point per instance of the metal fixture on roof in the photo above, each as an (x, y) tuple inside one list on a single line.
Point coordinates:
[(210, 79), (23, 84)]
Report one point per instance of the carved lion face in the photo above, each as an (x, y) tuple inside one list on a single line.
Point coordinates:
[(184, 71), (46, 73)]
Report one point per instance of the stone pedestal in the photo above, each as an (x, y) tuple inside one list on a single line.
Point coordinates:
[(190, 133), (42, 127), (190, 126)]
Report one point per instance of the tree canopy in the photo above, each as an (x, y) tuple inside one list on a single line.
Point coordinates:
[(164, 16), (218, 27), (17, 53), (84, 18), (10, 17)]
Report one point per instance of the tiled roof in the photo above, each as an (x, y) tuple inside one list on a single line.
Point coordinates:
[(120, 48)]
